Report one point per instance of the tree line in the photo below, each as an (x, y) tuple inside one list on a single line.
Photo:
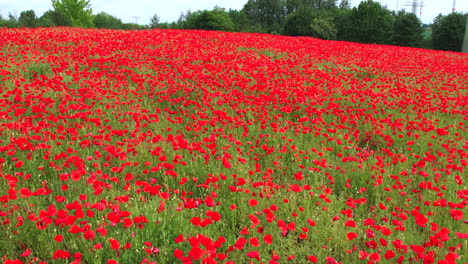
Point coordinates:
[(369, 22)]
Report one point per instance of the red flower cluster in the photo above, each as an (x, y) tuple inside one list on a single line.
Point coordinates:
[(169, 146)]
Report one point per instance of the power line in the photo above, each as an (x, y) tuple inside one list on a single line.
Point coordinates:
[(136, 19), (414, 7)]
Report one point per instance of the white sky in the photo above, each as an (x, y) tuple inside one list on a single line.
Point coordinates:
[(170, 10)]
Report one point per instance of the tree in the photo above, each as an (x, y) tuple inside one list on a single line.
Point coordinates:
[(180, 23), (154, 21), (28, 19), (11, 22), (240, 20), (78, 11), (465, 40), (342, 19), (316, 5), (345, 4), (3, 22), (320, 5), (293, 6), (298, 23), (323, 28), (104, 20), (305, 22), (268, 15), (448, 31), (53, 18), (369, 23), (216, 19), (219, 19), (133, 26), (407, 30)]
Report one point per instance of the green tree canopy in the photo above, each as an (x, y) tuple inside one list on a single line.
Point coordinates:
[(28, 19), (78, 11), (465, 40), (240, 20), (407, 30), (269, 15), (132, 26), (370, 22), (11, 22), (342, 18), (323, 28), (344, 4), (320, 5), (448, 31), (216, 19), (305, 22), (316, 18), (104, 20), (53, 18), (298, 22), (154, 21), (292, 6), (316, 5)]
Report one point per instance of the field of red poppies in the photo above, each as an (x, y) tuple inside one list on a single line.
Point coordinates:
[(169, 146)]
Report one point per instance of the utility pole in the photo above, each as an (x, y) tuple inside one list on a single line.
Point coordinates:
[(414, 7), (136, 19), (421, 5)]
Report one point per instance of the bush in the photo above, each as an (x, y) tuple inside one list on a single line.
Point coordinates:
[(448, 31)]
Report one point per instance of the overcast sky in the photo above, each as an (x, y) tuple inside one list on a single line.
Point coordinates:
[(169, 10)]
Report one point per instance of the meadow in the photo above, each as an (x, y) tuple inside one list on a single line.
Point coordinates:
[(172, 146)]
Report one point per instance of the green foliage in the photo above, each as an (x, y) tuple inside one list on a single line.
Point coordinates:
[(104, 20), (78, 11), (342, 17), (240, 20), (345, 4), (316, 5), (323, 28), (54, 18), (11, 22), (292, 17), (154, 21), (2, 22), (216, 19), (305, 22), (465, 40), (298, 23), (448, 31), (132, 26), (407, 30), (370, 22), (427, 37), (166, 25), (268, 15), (28, 19), (292, 6), (320, 5)]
